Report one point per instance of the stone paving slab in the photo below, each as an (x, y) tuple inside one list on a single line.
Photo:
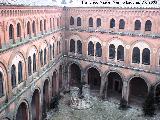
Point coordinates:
[(101, 110)]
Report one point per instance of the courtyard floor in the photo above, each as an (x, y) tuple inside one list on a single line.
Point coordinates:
[(101, 110)]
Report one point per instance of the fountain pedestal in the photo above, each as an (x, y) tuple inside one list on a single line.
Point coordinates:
[(80, 103)]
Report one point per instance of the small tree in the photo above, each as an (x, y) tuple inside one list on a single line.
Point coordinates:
[(148, 105)]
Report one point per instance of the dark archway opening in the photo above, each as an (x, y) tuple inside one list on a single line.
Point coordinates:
[(45, 98), (138, 90), (35, 105), (94, 79), (75, 75), (157, 96), (54, 79), (115, 85), (22, 112), (60, 78)]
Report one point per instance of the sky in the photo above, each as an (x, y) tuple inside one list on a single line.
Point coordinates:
[(89, 3)]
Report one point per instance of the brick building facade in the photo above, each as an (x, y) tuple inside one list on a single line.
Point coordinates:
[(45, 50)]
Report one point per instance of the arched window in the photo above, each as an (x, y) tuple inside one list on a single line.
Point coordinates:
[(121, 24), (72, 46), (53, 50), (41, 26), (50, 23), (58, 22), (91, 48), (90, 22), (120, 53), (41, 57), (53, 22), (136, 55), (59, 47), (98, 22), (1, 85), (137, 25), (112, 23), (78, 21), (20, 72), (13, 76), (98, 49), (111, 51), (28, 28), (45, 55), (148, 25), (79, 47), (29, 66), (33, 27), (71, 20), (146, 56), (50, 52), (45, 24), (11, 32), (18, 30), (34, 62)]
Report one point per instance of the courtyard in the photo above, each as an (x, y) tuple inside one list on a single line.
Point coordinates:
[(101, 110)]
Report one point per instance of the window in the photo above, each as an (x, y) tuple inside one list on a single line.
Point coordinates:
[(111, 51), (53, 22), (79, 47), (112, 23), (50, 52), (29, 66), (98, 49), (71, 20), (148, 25), (90, 22), (58, 22), (34, 62), (45, 55), (41, 26), (146, 56), (11, 32), (20, 72), (53, 50), (136, 55), (41, 57), (18, 30), (72, 46), (33, 27), (91, 48), (28, 28), (78, 21), (59, 47), (45, 24), (120, 53), (50, 23), (121, 24), (137, 25), (98, 22), (13, 76), (1, 85)]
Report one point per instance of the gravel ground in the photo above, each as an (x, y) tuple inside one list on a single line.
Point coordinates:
[(101, 110)]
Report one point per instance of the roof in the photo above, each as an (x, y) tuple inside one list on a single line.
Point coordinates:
[(87, 3)]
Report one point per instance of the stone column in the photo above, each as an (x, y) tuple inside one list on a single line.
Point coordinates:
[(125, 90), (102, 85)]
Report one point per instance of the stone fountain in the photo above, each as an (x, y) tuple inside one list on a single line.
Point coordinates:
[(79, 102)]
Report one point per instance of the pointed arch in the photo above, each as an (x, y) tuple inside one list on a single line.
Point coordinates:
[(78, 21), (91, 48), (90, 22)]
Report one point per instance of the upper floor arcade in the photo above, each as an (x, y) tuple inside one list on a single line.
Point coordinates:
[(20, 24), (130, 22)]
